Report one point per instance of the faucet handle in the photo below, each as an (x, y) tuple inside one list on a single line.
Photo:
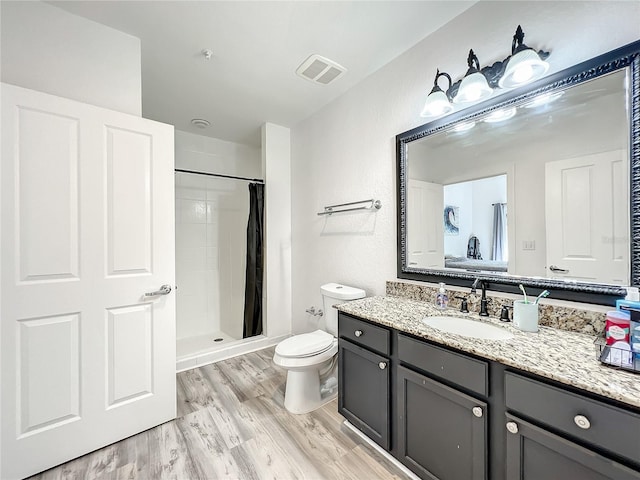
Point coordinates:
[(504, 313), (464, 306)]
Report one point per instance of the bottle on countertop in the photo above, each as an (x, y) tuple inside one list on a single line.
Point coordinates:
[(442, 299)]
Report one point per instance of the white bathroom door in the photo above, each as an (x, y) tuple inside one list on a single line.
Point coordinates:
[(87, 228), (587, 218), (425, 225)]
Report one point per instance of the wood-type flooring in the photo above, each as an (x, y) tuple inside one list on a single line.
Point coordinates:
[(232, 425)]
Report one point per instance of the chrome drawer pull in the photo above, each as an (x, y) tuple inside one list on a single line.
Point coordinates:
[(582, 422), (382, 365), (358, 333), (512, 427), (477, 411)]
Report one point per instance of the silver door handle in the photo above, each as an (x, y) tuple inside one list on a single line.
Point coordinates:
[(382, 365), (164, 290), (555, 269)]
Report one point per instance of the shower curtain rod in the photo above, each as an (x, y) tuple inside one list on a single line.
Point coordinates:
[(258, 180)]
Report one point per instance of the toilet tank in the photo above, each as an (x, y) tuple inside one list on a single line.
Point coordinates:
[(332, 294)]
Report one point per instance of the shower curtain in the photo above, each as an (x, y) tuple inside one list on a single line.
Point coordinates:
[(253, 285), (499, 248)]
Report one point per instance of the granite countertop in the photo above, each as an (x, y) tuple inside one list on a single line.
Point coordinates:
[(566, 357)]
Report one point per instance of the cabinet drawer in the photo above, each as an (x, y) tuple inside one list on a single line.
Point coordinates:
[(608, 427), (459, 369), (365, 334)]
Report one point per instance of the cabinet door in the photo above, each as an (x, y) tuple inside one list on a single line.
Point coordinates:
[(363, 396), (536, 454), (442, 433)]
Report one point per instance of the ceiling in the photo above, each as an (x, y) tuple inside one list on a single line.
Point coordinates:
[(257, 45)]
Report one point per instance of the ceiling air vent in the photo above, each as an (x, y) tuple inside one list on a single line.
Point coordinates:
[(320, 70)]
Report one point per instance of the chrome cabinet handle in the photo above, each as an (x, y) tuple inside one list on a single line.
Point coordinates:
[(358, 333), (477, 411), (164, 290), (555, 269), (512, 427), (382, 365), (582, 422)]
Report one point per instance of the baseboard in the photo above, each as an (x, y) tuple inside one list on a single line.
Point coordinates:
[(381, 451), (232, 350)]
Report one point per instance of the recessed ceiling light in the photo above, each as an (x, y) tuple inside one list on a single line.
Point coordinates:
[(200, 123)]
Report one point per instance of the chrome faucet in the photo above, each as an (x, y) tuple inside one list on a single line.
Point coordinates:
[(483, 298)]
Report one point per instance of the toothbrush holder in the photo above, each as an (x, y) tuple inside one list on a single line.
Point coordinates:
[(525, 316)]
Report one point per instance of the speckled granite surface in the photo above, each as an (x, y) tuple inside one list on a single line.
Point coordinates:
[(566, 357), (564, 318)]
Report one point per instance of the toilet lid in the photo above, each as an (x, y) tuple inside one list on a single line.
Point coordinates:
[(305, 345)]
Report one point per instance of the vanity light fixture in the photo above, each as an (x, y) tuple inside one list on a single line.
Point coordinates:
[(501, 115), (437, 101), (524, 65), (474, 86)]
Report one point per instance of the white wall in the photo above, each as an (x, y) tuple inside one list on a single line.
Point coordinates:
[(276, 164), (346, 151), (206, 154), (47, 49)]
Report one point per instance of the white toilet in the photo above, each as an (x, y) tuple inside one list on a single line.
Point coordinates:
[(311, 358)]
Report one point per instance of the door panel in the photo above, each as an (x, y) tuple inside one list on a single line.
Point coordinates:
[(536, 454), (86, 229), (130, 363), (128, 201), (49, 367), (425, 235), (439, 435), (46, 167), (587, 218)]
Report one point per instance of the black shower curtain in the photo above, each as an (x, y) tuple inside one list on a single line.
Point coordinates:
[(253, 284)]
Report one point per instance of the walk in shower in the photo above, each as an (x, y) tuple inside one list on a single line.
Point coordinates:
[(218, 261)]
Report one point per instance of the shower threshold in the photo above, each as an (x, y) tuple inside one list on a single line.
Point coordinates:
[(202, 350)]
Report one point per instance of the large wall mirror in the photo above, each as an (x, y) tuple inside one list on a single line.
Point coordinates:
[(540, 186)]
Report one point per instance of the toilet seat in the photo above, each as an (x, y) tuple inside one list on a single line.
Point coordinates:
[(305, 345)]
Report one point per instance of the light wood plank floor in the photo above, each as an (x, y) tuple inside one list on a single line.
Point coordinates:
[(232, 425)]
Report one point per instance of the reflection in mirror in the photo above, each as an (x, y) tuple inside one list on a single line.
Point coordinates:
[(559, 162)]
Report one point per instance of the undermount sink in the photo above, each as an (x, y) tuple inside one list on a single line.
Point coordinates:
[(467, 328)]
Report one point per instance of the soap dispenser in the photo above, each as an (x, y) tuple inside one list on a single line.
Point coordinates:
[(442, 299)]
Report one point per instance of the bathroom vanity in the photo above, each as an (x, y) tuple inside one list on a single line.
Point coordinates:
[(450, 407)]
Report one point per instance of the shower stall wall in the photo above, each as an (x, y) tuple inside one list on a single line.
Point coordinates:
[(211, 225)]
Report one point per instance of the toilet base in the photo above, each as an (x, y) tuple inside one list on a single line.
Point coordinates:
[(304, 392)]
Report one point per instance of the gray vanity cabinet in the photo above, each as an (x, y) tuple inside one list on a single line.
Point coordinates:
[(364, 378), (448, 415), (534, 453), (442, 433)]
